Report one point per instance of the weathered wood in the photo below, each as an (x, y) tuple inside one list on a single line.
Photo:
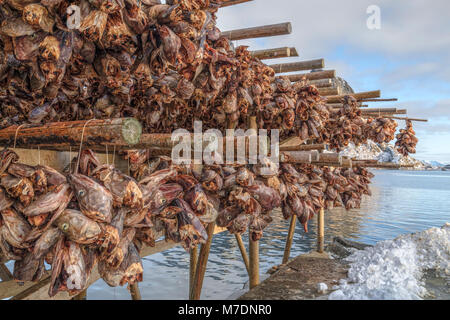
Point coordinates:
[(322, 83), (121, 132), (330, 158), (298, 66), (302, 157), (253, 246), (81, 296), (358, 96), (259, 32), (228, 3), (321, 230), (289, 239), (325, 92), (243, 252), (39, 291), (315, 75), (193, 259), (340, 105), (305, 147), (254, 262), (347, 163), (5, 274), (406, 119), (276, 53), (379, 100), (135, 292), (382, 113), (200, 270)]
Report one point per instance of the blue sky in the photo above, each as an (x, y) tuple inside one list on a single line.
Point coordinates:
[(408, 58)]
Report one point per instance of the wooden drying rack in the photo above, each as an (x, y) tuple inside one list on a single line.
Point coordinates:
[(57, 141)]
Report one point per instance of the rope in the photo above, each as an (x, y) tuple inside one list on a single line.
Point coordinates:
[(107, 155), (15, 136), (114, 155), (39, 155), (81, 145)]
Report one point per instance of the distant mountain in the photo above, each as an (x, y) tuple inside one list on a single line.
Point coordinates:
[(435, 164)]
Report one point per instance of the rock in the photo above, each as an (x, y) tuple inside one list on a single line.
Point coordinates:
[(322, 288)]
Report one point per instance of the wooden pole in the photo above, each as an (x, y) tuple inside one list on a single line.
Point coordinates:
[(228, 3), (322, 83), (290, 238), (259, 32), (121, 132), (135, 292), (320, 230), (408, 119), (382, 112), (276, 53), (298, 66), (315, 75), (330, 158), (201, 265), (192, 267), (81, 296), (296, 157), (5, 274), (358, 96), (378, 100), (243, 252), (253, 245), (325, 92)]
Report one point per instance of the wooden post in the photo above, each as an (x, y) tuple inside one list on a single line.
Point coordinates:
[(192, 267), (81, 296), (243, 252), (290, 238), (253, 245), (201, 265), (135, 292), (5, 274), (259, 32), (320, 230)]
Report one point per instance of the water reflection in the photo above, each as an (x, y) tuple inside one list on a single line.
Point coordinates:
[(401, 202)]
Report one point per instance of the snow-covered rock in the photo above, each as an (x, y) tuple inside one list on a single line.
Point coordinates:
[(394, 269), (382, 152)]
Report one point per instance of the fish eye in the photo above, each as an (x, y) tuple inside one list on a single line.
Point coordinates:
[(163, 201), (65, 227), (197, 202), (81, 193), (228, 218)]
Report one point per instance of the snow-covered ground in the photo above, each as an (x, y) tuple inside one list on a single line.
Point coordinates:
[(383, 153), (394, 269)]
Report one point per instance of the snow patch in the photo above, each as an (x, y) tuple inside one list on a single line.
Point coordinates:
[(393, 269)]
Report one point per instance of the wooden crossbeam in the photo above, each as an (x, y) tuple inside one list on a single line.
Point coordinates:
[(39, 291), (227, 3), (259, 32), (298, 66), (316, 75), (276, 53), (358, 96)]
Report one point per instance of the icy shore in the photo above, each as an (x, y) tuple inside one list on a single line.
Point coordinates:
[(394, 269), (383, 153)]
